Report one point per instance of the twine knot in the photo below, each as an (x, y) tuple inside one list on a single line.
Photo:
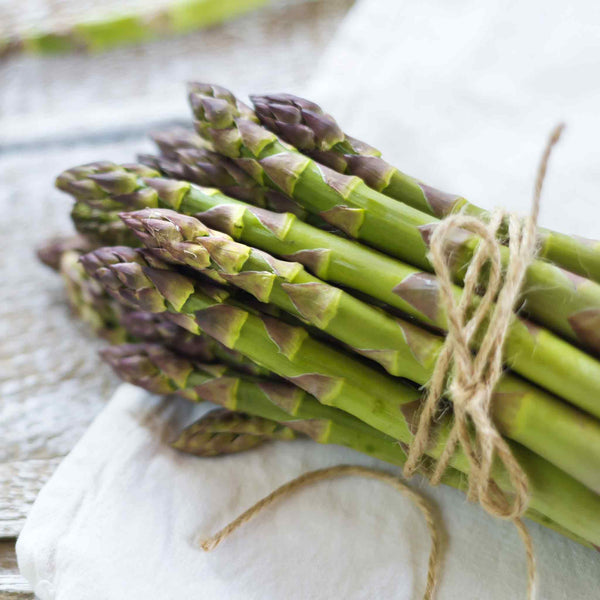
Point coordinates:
[(471, 377)]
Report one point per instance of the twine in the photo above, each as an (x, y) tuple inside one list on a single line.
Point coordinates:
[(469, 378), (344, 471)]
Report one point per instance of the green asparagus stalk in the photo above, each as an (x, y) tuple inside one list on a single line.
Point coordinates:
[(531, 351), (335, 378), (157, 370), (159, 329), (102, 33), (222, 420), (523, 412), (189, 157), (210, 169), (88, 300), (305, 125), (222, 431), (211, 444), (567, 304), (113, 322), (149, 368), (100, 226), (195, 440)]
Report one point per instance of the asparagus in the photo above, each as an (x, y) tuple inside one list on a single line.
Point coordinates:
[(305, 125), (170, 141), (88, 300), (189, 157), (210, 169), (132, 27), (566, 303), (523, 412), (531, 351), (336, 379), (158, 328), (110, 320), (159, 371), (295, 408), (222, 431), (51, 251), (211, 444), (100, 226)]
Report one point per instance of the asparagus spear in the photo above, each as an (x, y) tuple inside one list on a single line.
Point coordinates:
[(210, 169), (158, 328), (567, 304), (523, 412), (305, 125), (149, 368), (112, 321), (89, 301), (103, 33), (51, 251), (188, 157), (222, 431), (100, 226), (531, 351)]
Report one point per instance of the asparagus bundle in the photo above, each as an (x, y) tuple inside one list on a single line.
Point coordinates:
[(305, 125), (253, 272), (335, 378), (531, 351)]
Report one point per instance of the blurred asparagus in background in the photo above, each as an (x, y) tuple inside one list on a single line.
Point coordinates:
[(109, 28)]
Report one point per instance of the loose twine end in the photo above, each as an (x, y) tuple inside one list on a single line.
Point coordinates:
[(469, 378), (289, 488)]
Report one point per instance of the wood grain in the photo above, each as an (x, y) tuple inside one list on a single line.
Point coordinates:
[(20, 482), (12, 585)]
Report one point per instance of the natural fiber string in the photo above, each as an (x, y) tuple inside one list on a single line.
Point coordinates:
[(472, 379), (343, 471)]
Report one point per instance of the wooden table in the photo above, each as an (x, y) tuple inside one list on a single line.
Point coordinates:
[(60, 111)]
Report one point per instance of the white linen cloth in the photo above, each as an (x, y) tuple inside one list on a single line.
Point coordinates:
[(463, 95)]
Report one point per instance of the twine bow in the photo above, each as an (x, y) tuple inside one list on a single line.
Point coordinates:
[(470, 377)]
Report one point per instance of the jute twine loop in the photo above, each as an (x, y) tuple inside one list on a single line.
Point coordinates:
[(344, 471), (469, 379)]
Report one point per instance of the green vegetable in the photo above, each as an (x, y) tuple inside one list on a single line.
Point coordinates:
[(567, 304), (531, 351), (523, 412), (304, 124), (333, 377), (158, 371)]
